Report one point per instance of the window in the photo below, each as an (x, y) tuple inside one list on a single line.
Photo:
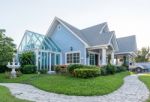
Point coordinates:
[(73, 58)]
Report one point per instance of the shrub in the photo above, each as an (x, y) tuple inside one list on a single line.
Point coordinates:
[(7, 75), (28, 69), (3, 68), (61, 69), (18, 73), (120, 68), (72, 67), (108, 69), (103, 70), (27, 58), (43, 71), (86, 72), (111, 69)]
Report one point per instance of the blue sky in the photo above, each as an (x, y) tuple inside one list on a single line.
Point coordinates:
[(125, 17)]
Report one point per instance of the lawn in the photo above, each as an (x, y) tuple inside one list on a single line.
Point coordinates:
[(5, 96), (146, 80), (72, 86)]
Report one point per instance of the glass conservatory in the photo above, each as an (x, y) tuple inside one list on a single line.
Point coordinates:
[(47, 52)]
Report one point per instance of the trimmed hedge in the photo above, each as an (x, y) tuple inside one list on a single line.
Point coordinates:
[(86, 72), (72, 67), (28, 69)]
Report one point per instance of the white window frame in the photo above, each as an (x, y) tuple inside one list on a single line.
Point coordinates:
[(72, 52)]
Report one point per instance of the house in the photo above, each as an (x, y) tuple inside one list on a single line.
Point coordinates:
[(66, 44)]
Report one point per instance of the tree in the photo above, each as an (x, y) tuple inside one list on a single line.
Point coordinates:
[(27, 58), (7, 48), (142, 55)]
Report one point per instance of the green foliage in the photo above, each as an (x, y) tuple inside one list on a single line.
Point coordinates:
[(143, 55), (28, 69), (27, 58), (146, 80), (43, 71), (61, 69), (103, 70), (111, 69), (72, 67), (121, 68), (86, 72), (7, 48), (3, 68), (108, 69), (64, 84), (18, 73), (7, 75)]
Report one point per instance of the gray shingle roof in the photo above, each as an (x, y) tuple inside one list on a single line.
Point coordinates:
[(127, 44), (91, 35)]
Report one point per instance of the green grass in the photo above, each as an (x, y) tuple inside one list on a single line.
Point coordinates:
[(5, 96), (146, 80), (63, 84)]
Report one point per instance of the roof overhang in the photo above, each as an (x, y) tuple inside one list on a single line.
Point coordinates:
[(124, 53)]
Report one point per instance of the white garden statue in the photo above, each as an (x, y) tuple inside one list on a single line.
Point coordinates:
[(13, 66)]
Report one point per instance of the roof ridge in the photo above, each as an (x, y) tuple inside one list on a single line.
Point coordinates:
[(127, 36), (94, 26)]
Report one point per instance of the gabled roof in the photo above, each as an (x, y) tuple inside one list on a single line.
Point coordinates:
[(94, 29), (127, 44), (91, 35)]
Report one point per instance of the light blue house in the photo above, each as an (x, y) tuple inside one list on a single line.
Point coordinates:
[(66, 44)]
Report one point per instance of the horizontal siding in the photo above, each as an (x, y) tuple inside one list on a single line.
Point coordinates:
[(65, 39)]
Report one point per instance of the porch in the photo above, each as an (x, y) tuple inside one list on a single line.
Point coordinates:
[(100, 56)]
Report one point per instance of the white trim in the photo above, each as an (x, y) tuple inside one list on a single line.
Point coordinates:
[(126, 53), (93, 52), (22, 39), (113, 35), (51, 25), (61, 59), (103, 27), (85, 56), (50, 58), (71, 52), (57, 19), (74, 33)]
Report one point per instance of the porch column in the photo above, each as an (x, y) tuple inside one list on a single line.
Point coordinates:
[(61, 59), (116, 60), (112, 58), (37, 58), (104, 56), (50, 61)]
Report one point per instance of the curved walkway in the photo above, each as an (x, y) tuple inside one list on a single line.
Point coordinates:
[(133, 90)]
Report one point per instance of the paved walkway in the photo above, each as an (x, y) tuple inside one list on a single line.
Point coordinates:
[(133, 90)]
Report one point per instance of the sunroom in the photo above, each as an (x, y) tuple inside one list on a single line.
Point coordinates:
[(47, 53)]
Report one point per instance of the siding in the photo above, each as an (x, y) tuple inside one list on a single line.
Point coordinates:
[(64, 39)]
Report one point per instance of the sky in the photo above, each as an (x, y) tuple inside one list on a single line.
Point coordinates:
[(125, 17)]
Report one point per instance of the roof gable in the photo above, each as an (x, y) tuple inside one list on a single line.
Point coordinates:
[(90, 36), (72, 29), (127, 44)]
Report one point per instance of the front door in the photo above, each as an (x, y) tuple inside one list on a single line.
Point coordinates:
[(93, 59), (96, 59)]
